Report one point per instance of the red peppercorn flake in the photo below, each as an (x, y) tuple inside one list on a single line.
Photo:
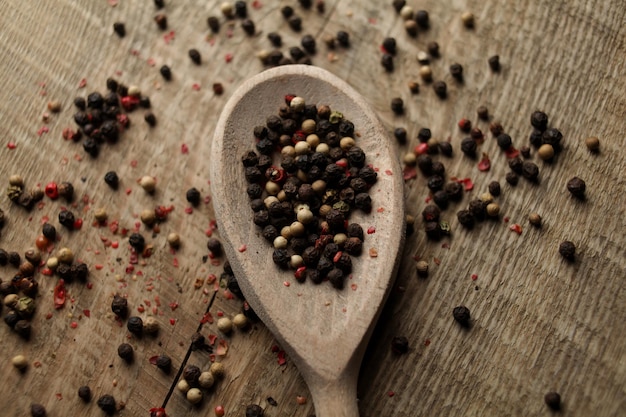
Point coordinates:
[(59, 396), (59, 294), (437, 261), (47, 272), (474, 277), (42, 130), (168, 37), (511, 152), (157, 412), (129, 102), (256, 4), (222, 347), (390, 393), (371, 230), (373, 252), (87, 313), (188, 210), (11, 145), (78, 224), (281, 358), (427, 342), (484, 163), (206, 318), (242, 248), (228, 58), (184, 149), (73, 325), (172, 321), (195, 86), (420, 149), (409, 173), (389, 172), (467, 182), (516, 228), (82, 83)]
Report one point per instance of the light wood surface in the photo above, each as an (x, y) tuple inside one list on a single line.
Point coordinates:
[(324, 331), (539, 323)]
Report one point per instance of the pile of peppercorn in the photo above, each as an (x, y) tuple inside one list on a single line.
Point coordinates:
[(304, 204), (100, 118)]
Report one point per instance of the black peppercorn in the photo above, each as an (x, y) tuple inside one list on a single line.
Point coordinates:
[(233, 286), (577, 187), (494, 188), (465, 218), (478, 208), (166, 72), (441, 199), (431, 213), (535, 138), (433, 49), (445, 148), (194, 54), (343, 38), (399, 345), (37, 410), (254, 410), (150, 118), (295, 23), (553, 137), (191, 374), (66, 190), (398, 5), (107, 404), (454, 190), (336, 278), (363, 202), (241, 9), (120, 29), (387, 62), (111, 179), (435, 183), (23, 329), (400, 134), (126, 352), (462, 315), (512, 178), (275, 39), (119, 306), (441, 89), (135, 325), (468, 146), (67, 219), (193, 196), (215, 246), (504, 141), (281, 258), (12, 318), (516, 165), (84, 393), (397, 105), (137, 241), (567, 250), (308, 43), (95, 100), (553, 400), (525, 151), (425, 164), (354, 246), (389, 45), (14, 259), (494, 63), (49, 231), (248, 26), (456, 70), (539, 120), (530, 171), (164, 363), (80, 104), (422, 19), (433, 230)]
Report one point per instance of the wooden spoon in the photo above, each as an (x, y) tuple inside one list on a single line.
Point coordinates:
[(322, 329)]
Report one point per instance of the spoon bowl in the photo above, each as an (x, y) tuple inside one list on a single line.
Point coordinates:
[(323, 330)]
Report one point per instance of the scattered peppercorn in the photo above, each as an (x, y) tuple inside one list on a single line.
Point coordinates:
[(387, 62), (539, 120), (468, 146), (164, 363), (525, 151), (84, 393), (441, 89), (592, 143), (254, 410), (577, 187), (530, 170), (67, 219), (150, 118), (126, 352), (135, 325), (422, 268), (494, 63), (248, 26), (456, 70), (397, 105), (343, 38), (567, 250), (512, 178), (553, 400), (534, 219), (494, 188), (295, 23), (161, 21), (194, 54), (112, 179), (159, 4), (107, 404), (119, 306), (462, 315), (483, 113), (37, 410), (120, 29), (504, 141), (389, 45), (166, 72)]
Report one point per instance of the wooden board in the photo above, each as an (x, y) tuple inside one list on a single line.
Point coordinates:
[(540, 323)]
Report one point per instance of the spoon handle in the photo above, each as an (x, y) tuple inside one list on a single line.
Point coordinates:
[(335, 398)]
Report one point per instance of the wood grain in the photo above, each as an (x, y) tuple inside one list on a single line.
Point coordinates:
[(539, 323)]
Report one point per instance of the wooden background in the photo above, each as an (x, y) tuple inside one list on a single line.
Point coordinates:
[(540, 323)]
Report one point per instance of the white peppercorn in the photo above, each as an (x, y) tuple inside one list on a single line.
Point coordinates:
[(183, 386), (100, 214), (225, 325), (240, 321), (194, 395), (65, 255), (16, 181), (20, 362), (422, 268), (150, 325), (206, 380), (280, 242), (296, 261), (297, 104), (218, 370), (346, 143), (493, 209), (148, 183), (426, 73), (148, 217)]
